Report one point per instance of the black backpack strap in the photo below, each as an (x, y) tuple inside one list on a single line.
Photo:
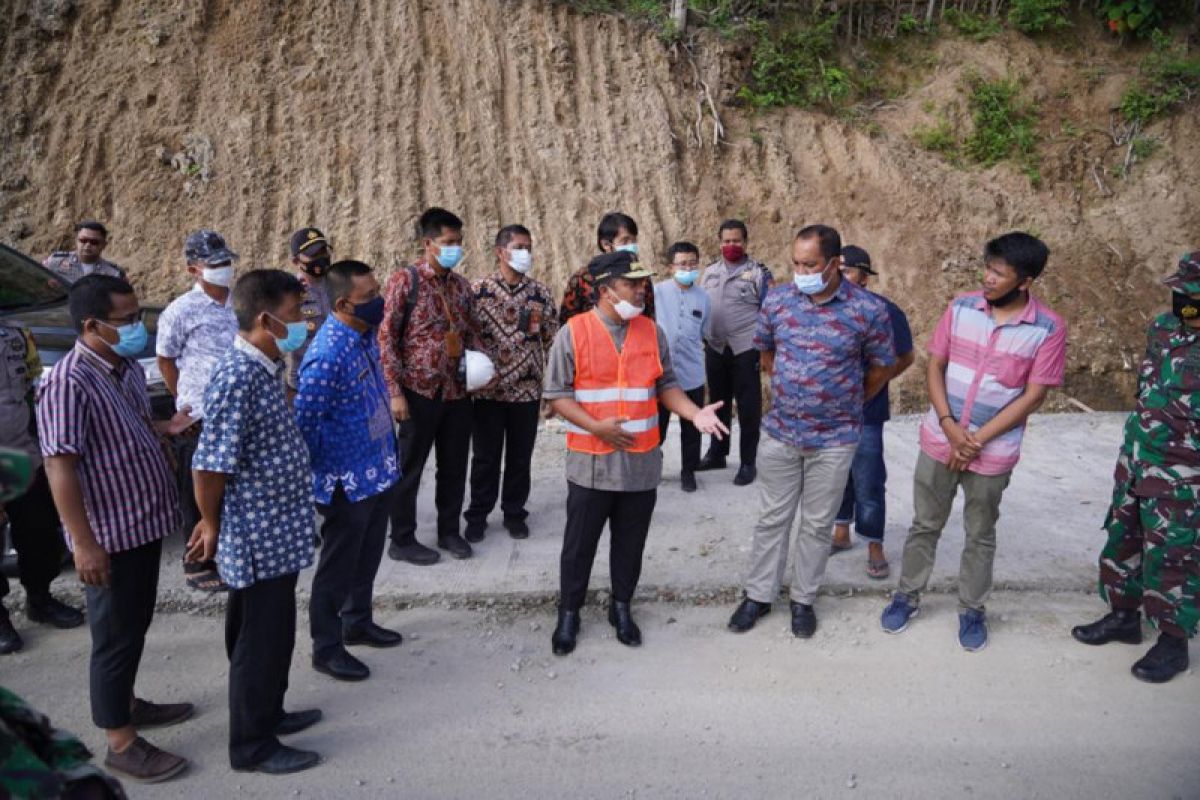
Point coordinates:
[(410, 300)]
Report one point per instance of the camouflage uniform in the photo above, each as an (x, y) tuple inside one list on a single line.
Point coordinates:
[(1152, 557), (66, 264)]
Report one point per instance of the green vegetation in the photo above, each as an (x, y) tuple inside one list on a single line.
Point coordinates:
[(1039, 16), (1003, 128), (1168, 77), (976, 27), (796, 66)]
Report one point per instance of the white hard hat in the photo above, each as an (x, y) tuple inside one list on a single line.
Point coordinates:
[(480, 370)]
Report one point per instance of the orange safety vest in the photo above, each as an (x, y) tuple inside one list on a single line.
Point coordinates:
[(612, 384)]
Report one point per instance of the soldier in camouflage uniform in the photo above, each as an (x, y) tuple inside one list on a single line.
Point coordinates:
[(1152, 557), (311, 257), (90, 240)]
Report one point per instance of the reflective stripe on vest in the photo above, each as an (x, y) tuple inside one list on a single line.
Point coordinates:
[(612, 384)]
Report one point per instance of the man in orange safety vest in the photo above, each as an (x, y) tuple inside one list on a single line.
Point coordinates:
[(608, 370)]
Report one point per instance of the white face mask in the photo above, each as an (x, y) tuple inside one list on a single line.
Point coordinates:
[(627, 310), (219, 276), (520, 260)]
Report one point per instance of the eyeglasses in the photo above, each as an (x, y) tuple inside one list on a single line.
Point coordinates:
[(132, 319), (85, 240)]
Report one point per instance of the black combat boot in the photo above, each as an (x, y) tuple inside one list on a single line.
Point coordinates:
[(562, 641), (1164, 661), (1119, 625)]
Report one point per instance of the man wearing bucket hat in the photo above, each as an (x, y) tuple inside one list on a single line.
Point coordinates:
[(608, 370), (1152, 557)]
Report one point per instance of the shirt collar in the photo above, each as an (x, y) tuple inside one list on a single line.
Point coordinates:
[(498, 278), (256, 355), (198, 289), (100, 361), (1028, 314)]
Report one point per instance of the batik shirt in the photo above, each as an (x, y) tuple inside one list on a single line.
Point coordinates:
[(820, 352), (580, 296), (1162, 435), (343, 414), (196, 331), (516, 327), (267, 524)]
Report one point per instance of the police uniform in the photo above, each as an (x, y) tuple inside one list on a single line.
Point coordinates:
[(66, 264), (317, 305), (33, 519)]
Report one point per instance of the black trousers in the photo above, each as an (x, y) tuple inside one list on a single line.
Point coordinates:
[(508, 429), (444, 425), (352, 535), (260, 634), (33, 524), (689, 437), (119, 616), (185, 447), (628, 517), (735, 379)]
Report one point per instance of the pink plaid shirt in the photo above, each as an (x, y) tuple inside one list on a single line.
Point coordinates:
[(989, 366)]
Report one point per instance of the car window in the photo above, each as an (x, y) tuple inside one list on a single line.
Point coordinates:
[(24, 283)]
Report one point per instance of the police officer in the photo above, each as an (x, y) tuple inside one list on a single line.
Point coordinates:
[(311, 258), (1152, 557), (33, 522), (91, 238)]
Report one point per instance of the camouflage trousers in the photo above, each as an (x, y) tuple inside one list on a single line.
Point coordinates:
[(1152, 557)]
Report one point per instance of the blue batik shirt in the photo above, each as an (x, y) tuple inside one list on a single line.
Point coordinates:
[(249, 434), (820, 352), (342, 409)]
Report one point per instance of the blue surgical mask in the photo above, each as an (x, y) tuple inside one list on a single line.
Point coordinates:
[(297, 335), (449, 255), (687, 276), (370, 312), (627, 248), (811, 284), (133, 338)]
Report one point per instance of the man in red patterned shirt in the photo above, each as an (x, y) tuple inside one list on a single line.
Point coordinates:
[(428, 323)]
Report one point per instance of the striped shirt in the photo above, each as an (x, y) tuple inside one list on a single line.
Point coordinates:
[(90, 408), (988, 367)]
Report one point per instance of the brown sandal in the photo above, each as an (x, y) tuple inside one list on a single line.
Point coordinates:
[(878, 569)]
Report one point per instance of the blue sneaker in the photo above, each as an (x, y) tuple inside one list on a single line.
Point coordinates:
[(896, 616), (972, 630)]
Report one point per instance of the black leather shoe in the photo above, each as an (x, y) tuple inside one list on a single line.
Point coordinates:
[(628, 633), (455, 545), (53, 612), (475, 531), (284, 760), (1164, 661), (372, 635), (745, 475), (747, 614), (804, 620), (562, 641), (517, 528), (415, 553), (687, 481), (10, 640), (296, 721), (710, 461), (342, 666), (1120, 625)]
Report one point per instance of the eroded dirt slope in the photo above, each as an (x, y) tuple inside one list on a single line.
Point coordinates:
[(258, 116)]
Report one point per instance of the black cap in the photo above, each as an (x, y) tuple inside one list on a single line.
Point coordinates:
[(307, 239), (619, 264), (207, 246), (854, 256)]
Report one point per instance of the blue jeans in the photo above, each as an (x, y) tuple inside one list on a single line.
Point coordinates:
[(864, 501)]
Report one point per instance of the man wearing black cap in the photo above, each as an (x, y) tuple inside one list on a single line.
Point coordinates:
[(194, 332), (864, 500), (311, 257), (91, 237), (608, 370)]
